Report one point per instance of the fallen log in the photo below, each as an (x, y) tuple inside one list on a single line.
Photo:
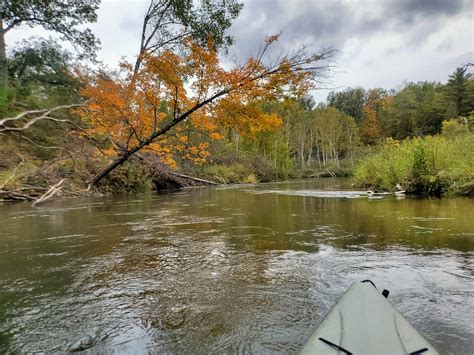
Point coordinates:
[(16, 196), (208, 182)]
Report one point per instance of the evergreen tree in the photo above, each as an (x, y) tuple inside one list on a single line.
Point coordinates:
[(457, 92)]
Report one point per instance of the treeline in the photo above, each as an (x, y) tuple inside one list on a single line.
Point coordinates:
[(417, 109), (331, 137)]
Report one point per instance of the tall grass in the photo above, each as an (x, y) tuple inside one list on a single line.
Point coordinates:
[(435, 165)]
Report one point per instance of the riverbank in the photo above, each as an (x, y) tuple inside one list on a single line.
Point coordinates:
[(27, 171), (441, 165)]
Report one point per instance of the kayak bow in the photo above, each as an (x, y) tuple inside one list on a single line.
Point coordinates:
[(363, 321)]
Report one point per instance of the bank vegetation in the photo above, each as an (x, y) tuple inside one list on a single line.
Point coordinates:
[(175, 117)]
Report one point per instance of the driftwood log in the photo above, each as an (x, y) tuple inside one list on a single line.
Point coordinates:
[(53, 190), (198, 180)]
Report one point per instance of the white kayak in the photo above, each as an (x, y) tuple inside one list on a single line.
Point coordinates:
[(363, 321)]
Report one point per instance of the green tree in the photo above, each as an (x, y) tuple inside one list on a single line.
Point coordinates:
[(416, 110), (63, 17), (298, 118), (350, 101), (335, 132), (40, 67), (459, 93), (168, 22)]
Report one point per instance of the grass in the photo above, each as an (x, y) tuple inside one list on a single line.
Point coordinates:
[(432, 165)]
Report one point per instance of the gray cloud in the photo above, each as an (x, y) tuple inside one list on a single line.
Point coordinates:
[(333, 23), (367, 34), (409, 10)]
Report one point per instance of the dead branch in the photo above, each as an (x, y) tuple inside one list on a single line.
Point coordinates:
[(28, 118), (50, 193)]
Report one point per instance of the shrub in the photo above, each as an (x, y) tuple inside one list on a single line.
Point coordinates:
[(226, 174)]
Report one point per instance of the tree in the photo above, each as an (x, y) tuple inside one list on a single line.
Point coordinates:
[(457, 92), (150, 109), (298, 120), (416, 110), (40, 67), (335, 132), (350, 101), (369, 126), (168, 22), (63, 17), (351, 137), (369, 130)]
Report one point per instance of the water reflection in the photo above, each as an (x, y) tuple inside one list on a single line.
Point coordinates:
[(244, 269)]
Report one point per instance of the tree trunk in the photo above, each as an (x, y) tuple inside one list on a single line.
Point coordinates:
[(301, 153), (237, 139), (275, 147), (310, 150), (318, 154), (109, 168), (3, 58)]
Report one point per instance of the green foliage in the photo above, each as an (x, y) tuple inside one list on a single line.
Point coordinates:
[(350, 101), (39, 74), (247, 164), (453, 128), (63, 17), (417, 110), (336, 135), (226, 174), (170, 20), (430, 165), (6, 96), (459, 92)]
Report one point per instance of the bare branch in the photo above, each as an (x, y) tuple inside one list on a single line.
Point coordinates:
[(50, 193), (33, 116)]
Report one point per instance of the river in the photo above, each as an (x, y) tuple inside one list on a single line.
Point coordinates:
[(239, 269)]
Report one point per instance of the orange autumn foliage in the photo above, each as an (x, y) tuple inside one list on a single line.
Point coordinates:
[(174, 95), (369, 131)]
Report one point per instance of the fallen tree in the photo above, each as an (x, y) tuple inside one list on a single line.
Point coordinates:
[(149, 110)]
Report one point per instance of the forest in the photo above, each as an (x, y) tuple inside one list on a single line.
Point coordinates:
[(176, 116)]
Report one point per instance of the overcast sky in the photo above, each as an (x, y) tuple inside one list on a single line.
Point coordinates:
[(379, 43)]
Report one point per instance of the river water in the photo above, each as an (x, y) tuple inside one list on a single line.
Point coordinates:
[(241, 269)]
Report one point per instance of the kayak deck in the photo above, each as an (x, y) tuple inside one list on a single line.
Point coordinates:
[(363, 321)]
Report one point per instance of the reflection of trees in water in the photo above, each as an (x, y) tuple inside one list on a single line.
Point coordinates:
[(295, 222)]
